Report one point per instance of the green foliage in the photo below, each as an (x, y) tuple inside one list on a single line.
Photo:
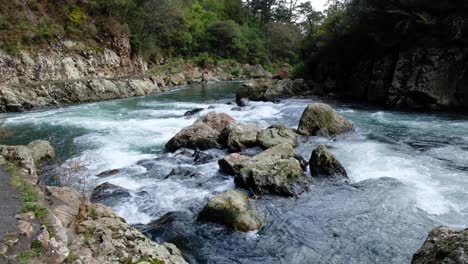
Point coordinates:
[(298, 70), (203, 60)]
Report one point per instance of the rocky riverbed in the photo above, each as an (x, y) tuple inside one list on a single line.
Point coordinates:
[(364, 192)]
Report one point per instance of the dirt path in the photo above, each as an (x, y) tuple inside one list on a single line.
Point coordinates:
[(10, 204)]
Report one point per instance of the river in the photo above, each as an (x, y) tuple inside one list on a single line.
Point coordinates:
[(408, 171)]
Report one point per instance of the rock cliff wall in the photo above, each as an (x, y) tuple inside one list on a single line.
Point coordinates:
[(68, 73)]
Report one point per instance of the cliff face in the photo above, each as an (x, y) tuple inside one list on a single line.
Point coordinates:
[(68, 73), (403, 54), (414, 78), (69, 60)]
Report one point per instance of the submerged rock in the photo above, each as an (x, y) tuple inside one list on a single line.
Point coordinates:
[(238, 137), (242, 102), (324, 164), (184, 173), (41, 150), (274, 171), (233, 209), (275, 135), (321, 120), (108, 193), (108, 173), (230, 164), (443, 245), (197, 136), (193, 112)]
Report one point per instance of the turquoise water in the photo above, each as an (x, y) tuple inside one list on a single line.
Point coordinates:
[(409, 173)]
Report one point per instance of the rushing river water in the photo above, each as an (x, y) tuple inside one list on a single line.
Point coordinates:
[(409, 173)]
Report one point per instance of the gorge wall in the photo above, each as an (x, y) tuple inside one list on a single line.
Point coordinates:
[(402, 54), (68, 72)]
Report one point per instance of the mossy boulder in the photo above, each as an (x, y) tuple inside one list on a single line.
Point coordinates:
[(443, 245), (324, 164), (233, 209), (238, 137), (275, 135), (273, 171), (41, 150), (321, 120), (230, 164)]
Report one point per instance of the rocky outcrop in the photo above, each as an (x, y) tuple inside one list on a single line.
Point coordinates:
[(238, 136), (20, 156), (321, 120), (64, 228), (275, 135), (443, 245), (274, 171), (41, 150), (324, 164), (69, 73), (231, 164), (232, 209)]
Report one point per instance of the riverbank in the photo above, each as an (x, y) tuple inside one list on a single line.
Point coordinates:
[(58, 224)]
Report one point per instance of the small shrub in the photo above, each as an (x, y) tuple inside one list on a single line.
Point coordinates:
[(236, 72), (298, 70)]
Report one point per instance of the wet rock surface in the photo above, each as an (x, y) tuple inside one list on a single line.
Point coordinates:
[(321, 120), (233, 209), (109, 194), (275, 135), (443, 245), (274, 171), (324, 164), (238, 136)]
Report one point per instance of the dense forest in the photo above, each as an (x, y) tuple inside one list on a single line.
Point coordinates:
[(257, 31)]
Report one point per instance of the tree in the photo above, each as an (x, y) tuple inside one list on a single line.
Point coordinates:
[(224, 38), (283, 41), (310, 18)]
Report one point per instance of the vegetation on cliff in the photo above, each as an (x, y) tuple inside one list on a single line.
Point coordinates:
[(260, 31)]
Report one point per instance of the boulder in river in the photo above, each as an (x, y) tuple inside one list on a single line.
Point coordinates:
[(217, 121), (197, 136), (274, 171), (253, 90), (275, 135), (233, 209), (324, 164), (443, 245), (321, 120), (230, 164), (41, 150), (238, 137), (108, 193)]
